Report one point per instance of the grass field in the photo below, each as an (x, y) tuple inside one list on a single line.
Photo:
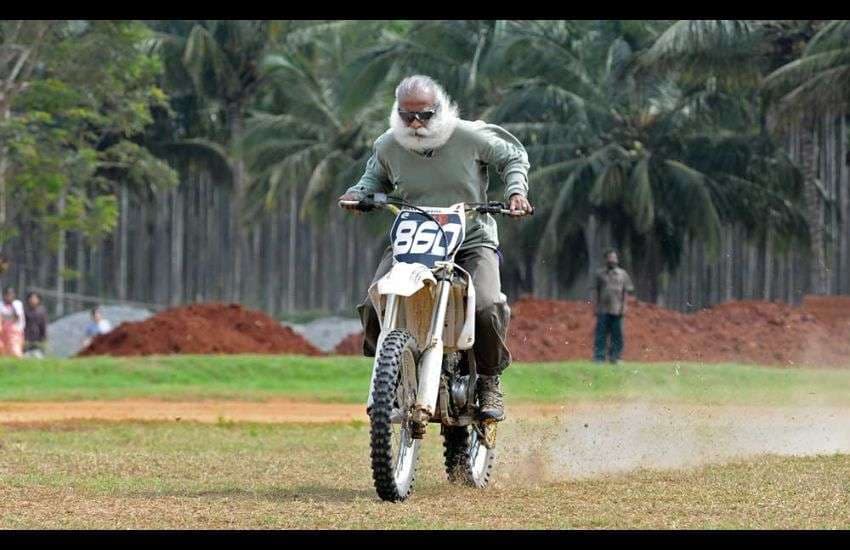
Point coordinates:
[(91, 475), (653, 446), (346, 380)]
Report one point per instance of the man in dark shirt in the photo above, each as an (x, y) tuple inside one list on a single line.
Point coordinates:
[(610, 286), (35, 330)]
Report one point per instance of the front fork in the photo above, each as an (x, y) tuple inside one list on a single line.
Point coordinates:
[(431, 359)]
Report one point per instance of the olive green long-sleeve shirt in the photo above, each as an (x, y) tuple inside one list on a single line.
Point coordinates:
[(455, 172)]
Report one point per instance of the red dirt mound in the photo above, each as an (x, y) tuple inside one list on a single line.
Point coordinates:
[(832, 310), (203, 329), (746, 331), (350, 345)]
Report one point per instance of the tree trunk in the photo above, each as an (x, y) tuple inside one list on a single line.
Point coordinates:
[(60, 262), (353, 250), (176, 294), (844, 200), (728, 281), (236, 121), (123, 228), (814, 210), (314, 268), (255, 292), (293, 245), (271, 251), (752, 271), (768, 266), (3, 168), (80, 264)]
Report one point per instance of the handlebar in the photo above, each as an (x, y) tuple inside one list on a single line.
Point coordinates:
[(380, 200)]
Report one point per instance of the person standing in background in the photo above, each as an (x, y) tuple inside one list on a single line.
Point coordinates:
[(13, 321), (35, 331), (610, 287)]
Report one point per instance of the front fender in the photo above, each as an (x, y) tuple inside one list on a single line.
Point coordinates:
[(405, 279)]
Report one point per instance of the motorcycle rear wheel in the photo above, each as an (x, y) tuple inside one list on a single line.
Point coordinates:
[(468, 461)]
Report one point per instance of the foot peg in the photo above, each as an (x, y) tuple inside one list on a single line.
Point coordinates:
[(418, 422), (487, 432)]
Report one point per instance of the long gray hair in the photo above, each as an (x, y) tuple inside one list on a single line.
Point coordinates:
[(420, 83)]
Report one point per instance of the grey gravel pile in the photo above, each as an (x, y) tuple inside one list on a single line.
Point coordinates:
[(327, 332), (65, 336)]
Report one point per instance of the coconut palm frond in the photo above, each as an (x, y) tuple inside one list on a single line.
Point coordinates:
[(609, 185), (696, 202), (207, 64), (262, 157), (213, 154), (549, 174), (835, 35), (639, 201), (686, 41), (364, 77), (792, 75), (320, 180), (554, 225), (824, 92)]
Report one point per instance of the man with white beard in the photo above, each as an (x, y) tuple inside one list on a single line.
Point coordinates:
[(435, 158)]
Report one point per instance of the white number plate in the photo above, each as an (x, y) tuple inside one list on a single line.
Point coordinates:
[(418, 239)]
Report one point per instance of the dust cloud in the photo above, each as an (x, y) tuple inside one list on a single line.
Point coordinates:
[(596, 439)]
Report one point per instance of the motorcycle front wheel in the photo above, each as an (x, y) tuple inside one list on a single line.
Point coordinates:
[(394, 451)]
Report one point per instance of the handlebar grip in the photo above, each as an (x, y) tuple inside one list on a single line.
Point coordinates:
[(508, 212), (502, 210), (365, 205)]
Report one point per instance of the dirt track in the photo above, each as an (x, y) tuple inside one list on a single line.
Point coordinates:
[(608, 420), (572, 441), (271, 411), (274, 411)]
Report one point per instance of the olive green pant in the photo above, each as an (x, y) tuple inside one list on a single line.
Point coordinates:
[(492, 314)]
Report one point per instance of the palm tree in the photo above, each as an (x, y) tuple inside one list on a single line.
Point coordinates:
[(314, 125), (221, 60), (799, 93), (628, 149), (795, 91), (464, 56)]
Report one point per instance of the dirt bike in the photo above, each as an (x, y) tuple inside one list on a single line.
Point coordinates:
[(424, 369)]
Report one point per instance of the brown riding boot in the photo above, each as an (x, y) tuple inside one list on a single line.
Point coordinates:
[(491, 406)]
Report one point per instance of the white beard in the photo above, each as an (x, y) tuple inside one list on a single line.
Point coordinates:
[(435, 135)]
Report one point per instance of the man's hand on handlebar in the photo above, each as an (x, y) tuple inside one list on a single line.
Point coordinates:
[(519, 205)]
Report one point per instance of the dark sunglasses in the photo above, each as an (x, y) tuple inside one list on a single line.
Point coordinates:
[(409, 116)]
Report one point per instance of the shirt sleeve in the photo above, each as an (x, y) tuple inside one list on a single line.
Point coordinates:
[(629, 286), (596, 286), (375, 179), (500, 149)]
